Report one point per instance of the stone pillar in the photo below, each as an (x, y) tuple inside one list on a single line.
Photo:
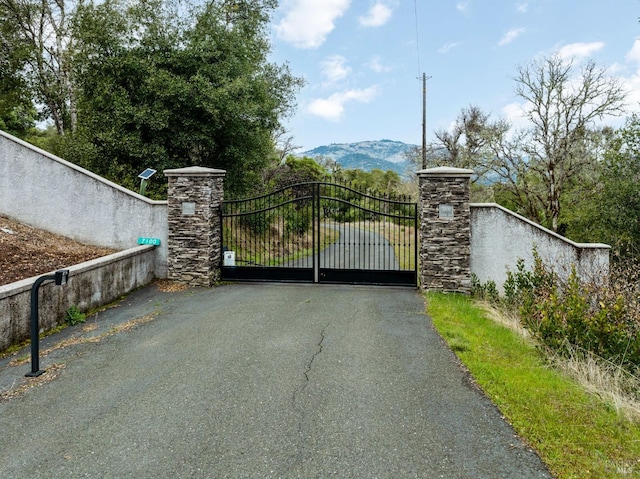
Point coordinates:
[(195, 230), (445, 229)]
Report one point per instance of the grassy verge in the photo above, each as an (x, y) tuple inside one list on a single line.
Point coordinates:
[(576, 434)]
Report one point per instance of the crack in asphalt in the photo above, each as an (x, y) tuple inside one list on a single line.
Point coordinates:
[(313, 358), (306, 373)]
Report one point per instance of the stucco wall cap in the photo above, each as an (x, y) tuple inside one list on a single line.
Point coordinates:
[(194, 171), (446, 171)]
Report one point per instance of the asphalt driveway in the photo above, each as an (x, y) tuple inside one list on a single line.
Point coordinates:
[(261, 381)]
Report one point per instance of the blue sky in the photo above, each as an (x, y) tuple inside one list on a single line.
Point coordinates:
[(361, 59)]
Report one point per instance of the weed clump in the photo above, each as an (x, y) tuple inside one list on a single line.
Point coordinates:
[(74, 316)]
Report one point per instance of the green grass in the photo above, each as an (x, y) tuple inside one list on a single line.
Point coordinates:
[(576, 434)]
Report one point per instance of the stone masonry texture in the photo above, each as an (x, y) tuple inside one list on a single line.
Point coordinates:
[(194, 240), (445, 246)]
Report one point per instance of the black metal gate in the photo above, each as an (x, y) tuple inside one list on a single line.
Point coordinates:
[(320, 232)]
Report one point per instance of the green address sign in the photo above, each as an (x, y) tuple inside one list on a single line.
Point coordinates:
[(152, 241)]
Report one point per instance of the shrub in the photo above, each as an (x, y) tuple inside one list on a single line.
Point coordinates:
[(596, 318), (298, 222), (257, 223), (487, 291)]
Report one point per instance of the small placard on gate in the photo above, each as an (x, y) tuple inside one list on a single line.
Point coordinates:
[(229, 258)]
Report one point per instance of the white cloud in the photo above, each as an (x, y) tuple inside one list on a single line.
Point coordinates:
[(632, 82), (633, 56), (377, 16), (377, 66), (515, 114), (448, 47), (335, 68), (632, 87), (332, 108), (308, 22), (510, 36), (579, 50), (522, 7), (462, 7)]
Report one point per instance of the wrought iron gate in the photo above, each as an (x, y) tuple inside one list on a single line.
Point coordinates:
[(320, 232)]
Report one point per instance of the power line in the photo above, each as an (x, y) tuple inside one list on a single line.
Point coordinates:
[(423, 77), (415, 12)]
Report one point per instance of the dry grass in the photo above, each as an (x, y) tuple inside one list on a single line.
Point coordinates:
[(167, 286), (65, 343), (506, 319), (401, 237), (49, 375), (611, 383), (275, 247), (601, 378)]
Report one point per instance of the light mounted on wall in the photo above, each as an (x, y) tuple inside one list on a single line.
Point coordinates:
[(144, 177)]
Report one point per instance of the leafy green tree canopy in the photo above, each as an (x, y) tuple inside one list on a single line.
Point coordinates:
[(168, 85), (609, 212)]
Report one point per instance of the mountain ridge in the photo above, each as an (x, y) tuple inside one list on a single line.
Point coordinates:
[(365, 155)]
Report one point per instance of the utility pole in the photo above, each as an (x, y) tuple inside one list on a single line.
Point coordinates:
[(424, 120)]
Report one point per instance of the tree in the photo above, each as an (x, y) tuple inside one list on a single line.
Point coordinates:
[(163, 90), (467, 144), (152, 83), (37, 36), (562, 109), (534, 168), (608, 212), (17, 114)]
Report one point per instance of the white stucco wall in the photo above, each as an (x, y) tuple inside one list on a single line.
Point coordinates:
[(500, 237), (91, 284), (47, 192)]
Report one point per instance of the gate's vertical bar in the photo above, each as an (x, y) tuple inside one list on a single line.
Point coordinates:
[(315, 231), (415, 242), (365, 216), (268, 239), (380, 246), (345, 262), (374, 203), (254, 236)]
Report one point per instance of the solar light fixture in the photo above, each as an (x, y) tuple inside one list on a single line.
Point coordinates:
[(60, 277), (144, 177)]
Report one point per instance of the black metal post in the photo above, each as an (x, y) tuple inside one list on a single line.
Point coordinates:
[(315, 230), (60, 277), (35, 328)]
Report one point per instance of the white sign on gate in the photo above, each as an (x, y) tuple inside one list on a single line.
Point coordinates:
[(229, 258)]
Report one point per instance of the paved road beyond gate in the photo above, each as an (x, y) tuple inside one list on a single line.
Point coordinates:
[(320, 232), (262, 381)]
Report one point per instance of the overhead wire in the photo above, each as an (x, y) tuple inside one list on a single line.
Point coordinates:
[(415, 12), (422, 81)]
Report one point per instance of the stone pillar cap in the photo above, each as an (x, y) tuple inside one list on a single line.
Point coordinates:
[(446, 171), (194, 171)]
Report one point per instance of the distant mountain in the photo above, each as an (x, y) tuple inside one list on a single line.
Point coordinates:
[(365, 155)]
